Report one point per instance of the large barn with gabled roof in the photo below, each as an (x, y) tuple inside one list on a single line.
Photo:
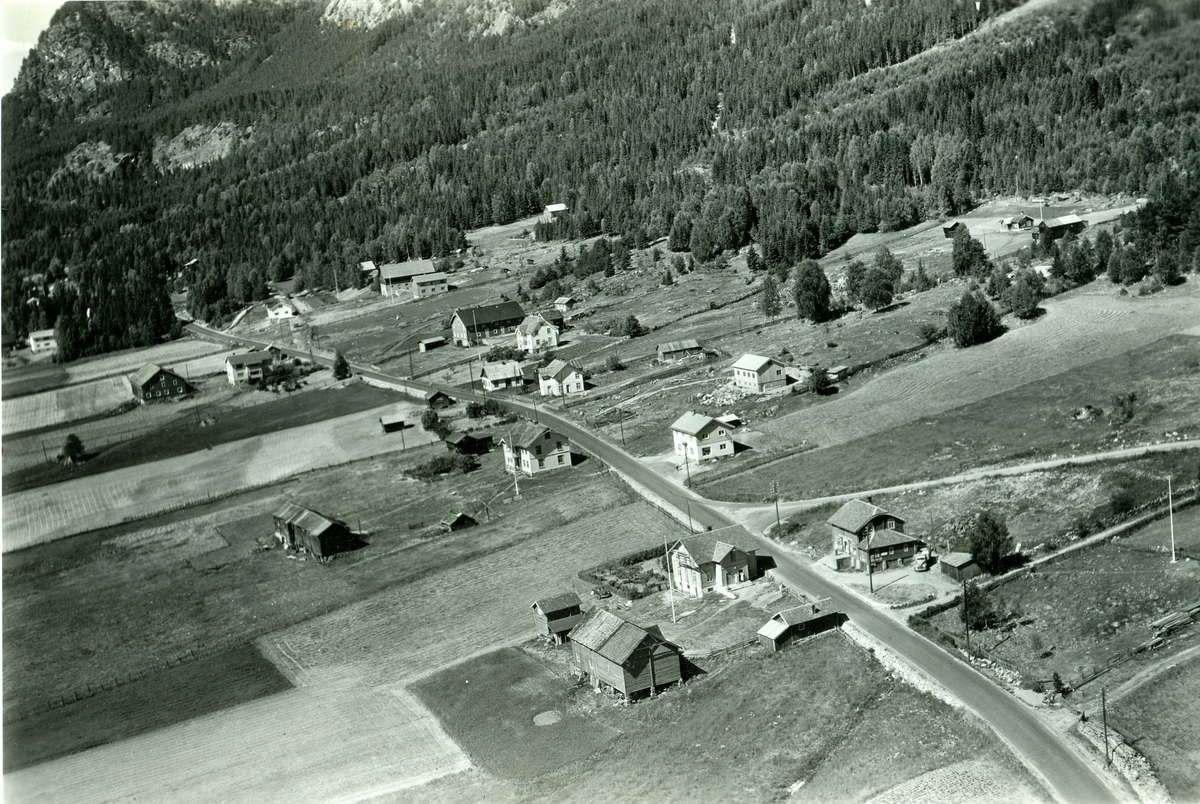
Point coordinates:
[(624, 657)]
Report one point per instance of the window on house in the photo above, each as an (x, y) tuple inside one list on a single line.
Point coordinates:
[(539, 450), (706, 451), (561, 459), (891, 524), (723, 446)]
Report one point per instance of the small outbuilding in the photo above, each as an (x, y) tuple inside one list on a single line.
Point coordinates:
[(797, 623), (429, 344), (959, 566), (678, 350), (457, 521), (554, 616), (298, 528), (438, 400), (468, 444), (392, 422), (949, 230)]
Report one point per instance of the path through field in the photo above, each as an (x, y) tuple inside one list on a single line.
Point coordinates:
[(42, 515), (1075, 331)]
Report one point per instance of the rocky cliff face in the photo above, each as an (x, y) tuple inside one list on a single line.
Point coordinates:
[(481, 17), (74, 57)]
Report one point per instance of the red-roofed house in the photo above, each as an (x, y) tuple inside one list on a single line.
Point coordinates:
[(859, 527), (622, 656), (710, 562)]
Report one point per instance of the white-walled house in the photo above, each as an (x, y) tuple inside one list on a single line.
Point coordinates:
[(699, 438), (758, 374), (561, 378), (536, 334), (248, 367), (535, 448), (284, 309)]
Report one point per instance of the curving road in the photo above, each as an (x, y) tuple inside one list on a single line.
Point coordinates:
[(1067, 774)]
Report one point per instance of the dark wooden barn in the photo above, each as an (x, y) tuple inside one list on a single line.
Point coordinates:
[(298, 527), (155, 382), (624, 657), (458, 521), (468, 444)]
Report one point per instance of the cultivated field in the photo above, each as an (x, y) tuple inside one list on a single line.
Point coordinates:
[(1162, 719), (803, 724), (911, 410), (50, 408), (40, 515), (515, 719)]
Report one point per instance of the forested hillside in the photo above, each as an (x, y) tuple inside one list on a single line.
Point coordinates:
[(793, 124)]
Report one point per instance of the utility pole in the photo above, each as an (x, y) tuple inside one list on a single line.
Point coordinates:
[(688, 467), (870, 569), (411, 373), (670, 575), (1104, 712), (621, 419), (470, 373), (1171, 514), (778, 524), (45, 454), (688, 505), (403, 446), (967, 620)]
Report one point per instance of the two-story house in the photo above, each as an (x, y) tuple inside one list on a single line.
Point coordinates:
[(248, 367), (535, 448), (699, 438), (758, 374), (536, 334), (863, 531), (426, 285), (712, 561), (470, 325), (561, 378)]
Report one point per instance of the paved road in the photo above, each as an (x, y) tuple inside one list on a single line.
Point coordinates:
[(1068, 775)]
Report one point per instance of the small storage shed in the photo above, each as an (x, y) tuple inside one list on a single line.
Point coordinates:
[(952, 228), (458, 521), (554, 616), (298, 527), (797, 623), (438, 399), (468, 444), (429, 344), (960, 566), (392, 422)]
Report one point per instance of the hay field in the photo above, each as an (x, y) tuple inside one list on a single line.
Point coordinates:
[(1164, 718), (50, 408), (329, 745), (40, 515), (128, 362)]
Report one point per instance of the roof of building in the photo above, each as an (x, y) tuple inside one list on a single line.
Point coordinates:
[(890, 538), (248, 359), (532, 323), (692, 423), (436, 276), (560, 602), (502, 370), (553, 316), (392, 418), (691, 344), (42, 333), (608, 635), (952, 224), (565, 300), (529, 434), (406, 270), (306, 518), (451, 518), (559, 369), (437, 339), (367, 265), (755, 363), (730, 420), (706, 547), (144, 374), (457, 437), (852, 516), (490, 313), (957, 560), (556, 207), (1063, 220)]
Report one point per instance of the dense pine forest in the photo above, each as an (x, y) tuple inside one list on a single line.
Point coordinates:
[(791, 124)]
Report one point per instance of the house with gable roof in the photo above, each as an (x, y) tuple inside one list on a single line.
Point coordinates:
[(501, 374), (536, 334), (862, 531), (298, 527), (699, 438), (556, 615), (624, 657), (470, 325), (155, 382), (758, 374), (561, 378), (712, 561), (535, 448)]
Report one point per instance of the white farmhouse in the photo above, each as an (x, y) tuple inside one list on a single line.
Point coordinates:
[(699, 438), (758, 374)]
